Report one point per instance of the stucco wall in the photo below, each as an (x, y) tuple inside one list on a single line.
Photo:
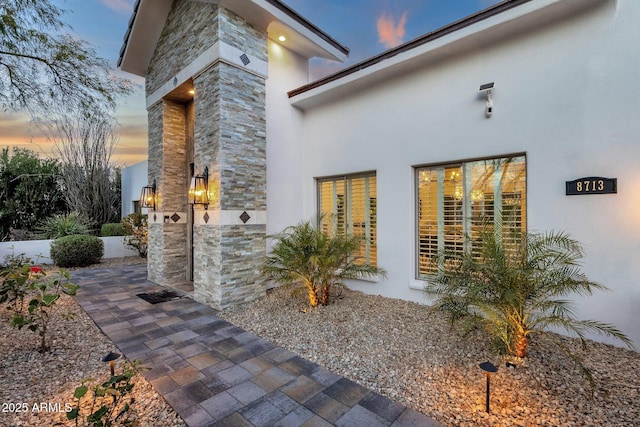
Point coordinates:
[(39, 250), (285, 195), (566, 93), (134, 177)]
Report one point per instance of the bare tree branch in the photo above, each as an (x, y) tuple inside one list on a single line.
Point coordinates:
[(84, 145), (44, 69)]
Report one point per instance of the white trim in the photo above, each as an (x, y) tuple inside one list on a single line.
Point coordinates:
[(219, 52), (219, 217), (165, 217), (417, 284)]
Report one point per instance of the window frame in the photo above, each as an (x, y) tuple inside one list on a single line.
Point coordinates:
[(370, 228), (464, 208)]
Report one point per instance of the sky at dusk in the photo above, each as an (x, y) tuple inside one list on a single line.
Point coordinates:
[(366, 27)]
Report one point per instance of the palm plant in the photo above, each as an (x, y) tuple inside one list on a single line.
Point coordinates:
[(62, 225), (516, 285), (306, 256)]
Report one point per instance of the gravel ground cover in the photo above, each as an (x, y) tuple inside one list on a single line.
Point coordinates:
[(386, 344), (393, 347), (35, 388)]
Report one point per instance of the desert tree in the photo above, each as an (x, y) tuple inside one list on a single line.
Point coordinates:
[(30, 191), (43, 67), (84, 144)]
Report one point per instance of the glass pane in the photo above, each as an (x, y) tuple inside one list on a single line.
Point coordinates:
[(514, 195), (427, 221), (349, 206), (332, 205), (453, 198), (453, 203)]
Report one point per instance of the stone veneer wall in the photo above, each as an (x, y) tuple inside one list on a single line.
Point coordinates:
[(235, 31), (191, 28), (155, 258), (167, 249), (229, 139)]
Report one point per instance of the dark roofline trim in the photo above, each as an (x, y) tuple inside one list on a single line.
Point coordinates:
[(426, 38), (309, 25), (128, 33), (276, 3)]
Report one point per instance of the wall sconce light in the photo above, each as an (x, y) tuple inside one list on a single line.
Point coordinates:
[(111, 358), (148, 196), (199, 189), (489, 368), (488, 89)]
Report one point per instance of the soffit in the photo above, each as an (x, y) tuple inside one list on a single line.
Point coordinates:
[(479, 31), (304, 38)]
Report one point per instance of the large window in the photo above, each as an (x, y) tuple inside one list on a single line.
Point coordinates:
[(348, 205), (454, 199)]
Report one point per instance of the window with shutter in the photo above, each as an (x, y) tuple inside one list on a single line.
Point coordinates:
[(348, 205), (453, 200)]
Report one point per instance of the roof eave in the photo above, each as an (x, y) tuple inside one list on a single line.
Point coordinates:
[(147, 22), (446, 40)]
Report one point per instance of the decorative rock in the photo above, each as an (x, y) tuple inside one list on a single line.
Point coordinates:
[(428, 366)]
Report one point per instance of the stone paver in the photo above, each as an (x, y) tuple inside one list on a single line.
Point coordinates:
[(214, 373)]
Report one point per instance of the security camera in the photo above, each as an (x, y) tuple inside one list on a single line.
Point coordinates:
[(489, 110), (488, 89)]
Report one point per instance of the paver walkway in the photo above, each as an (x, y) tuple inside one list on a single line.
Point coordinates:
[(214, 373)]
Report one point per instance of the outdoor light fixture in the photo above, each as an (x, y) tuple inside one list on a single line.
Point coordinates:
[(148, 196), (111, 357), (199, 189), (488, 89), (282, 38), (489, 368)]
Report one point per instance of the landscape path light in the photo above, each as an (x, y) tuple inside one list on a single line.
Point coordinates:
[(111, 357), (489, 368)]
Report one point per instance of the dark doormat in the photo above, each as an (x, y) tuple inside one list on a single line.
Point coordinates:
[(158, 297)]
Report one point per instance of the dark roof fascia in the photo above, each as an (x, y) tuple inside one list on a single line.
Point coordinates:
[(309, 25), (412, 44), (128, 33)]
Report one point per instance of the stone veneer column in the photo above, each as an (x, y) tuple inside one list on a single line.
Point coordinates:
[(190, 29), (167, 250), (226, 59), (230, 139)]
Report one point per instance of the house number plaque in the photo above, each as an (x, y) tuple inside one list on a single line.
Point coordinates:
[(592, 185)]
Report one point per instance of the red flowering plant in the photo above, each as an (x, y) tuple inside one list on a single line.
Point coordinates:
[(22, 281)]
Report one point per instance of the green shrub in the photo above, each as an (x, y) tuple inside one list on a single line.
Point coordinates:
[(113, 229), (77, 251), (62, 225), (306, 257), (136, 230)]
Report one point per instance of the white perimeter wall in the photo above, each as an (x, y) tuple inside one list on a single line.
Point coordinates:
[(567, 94), (39, 250), (134, 177)]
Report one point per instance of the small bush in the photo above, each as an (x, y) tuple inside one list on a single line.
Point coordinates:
[(62, 225), (113, 229), (77, 251), (137, 232)]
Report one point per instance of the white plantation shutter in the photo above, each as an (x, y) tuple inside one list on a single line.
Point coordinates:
[(349, 205), (454, 200)]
